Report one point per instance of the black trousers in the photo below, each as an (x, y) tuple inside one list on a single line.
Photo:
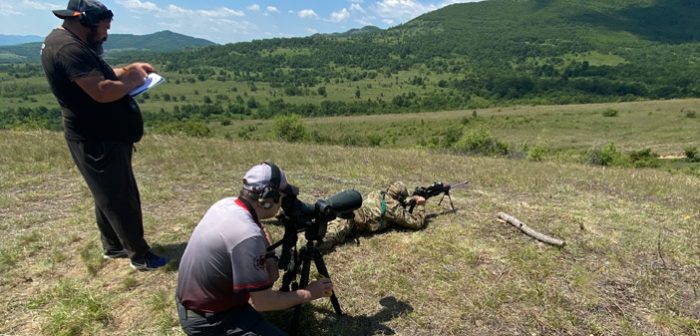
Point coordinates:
[(106, 168), (244, 321)]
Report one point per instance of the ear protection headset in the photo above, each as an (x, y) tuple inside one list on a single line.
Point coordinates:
[(271, 191), (92, 17)]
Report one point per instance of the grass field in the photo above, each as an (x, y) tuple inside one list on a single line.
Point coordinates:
[(188, 89), (631, 264), (665, 126)]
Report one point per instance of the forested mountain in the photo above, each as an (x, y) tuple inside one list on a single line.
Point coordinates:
[(158, 42), (536, 51), (117, 44), (359, 31)]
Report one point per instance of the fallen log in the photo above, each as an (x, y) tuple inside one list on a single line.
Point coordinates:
[(529, 231)]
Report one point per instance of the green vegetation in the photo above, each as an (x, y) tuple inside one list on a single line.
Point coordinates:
[(628, 268), (317, 106), (463, 56)]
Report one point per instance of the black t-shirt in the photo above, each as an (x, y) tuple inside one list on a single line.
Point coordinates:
[(66, 58)]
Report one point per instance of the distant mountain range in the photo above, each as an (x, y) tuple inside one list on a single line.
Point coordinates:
[(6, 40), (116, 45)]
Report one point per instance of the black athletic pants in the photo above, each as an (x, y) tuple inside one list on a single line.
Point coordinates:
[(243, 321), (106, 168)]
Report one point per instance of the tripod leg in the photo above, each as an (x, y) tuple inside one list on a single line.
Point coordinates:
[(305, 257), (321, 268)]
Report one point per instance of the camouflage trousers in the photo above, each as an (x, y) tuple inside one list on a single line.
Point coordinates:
[(338, 231)]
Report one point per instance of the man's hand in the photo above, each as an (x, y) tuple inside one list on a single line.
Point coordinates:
[(268, 300), (134, 77), (320, 288), (145, 67), (420, 200)]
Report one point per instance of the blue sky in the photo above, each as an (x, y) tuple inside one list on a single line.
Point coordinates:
[(224, 21)]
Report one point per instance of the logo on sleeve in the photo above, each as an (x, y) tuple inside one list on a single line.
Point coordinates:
[(260, 262)]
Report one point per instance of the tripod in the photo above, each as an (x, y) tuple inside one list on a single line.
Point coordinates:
[(302, 259)]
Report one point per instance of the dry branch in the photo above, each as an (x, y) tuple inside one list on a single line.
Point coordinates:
[(529, 231)]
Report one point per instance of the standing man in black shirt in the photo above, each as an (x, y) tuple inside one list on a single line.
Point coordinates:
[(102, 122)]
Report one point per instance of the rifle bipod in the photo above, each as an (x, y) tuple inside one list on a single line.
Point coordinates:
[(452, 206), (305, 255)]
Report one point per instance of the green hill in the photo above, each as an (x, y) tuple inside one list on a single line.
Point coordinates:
[(116, 45), (475, 55), (162, 41), (464, 56), (359, 31)]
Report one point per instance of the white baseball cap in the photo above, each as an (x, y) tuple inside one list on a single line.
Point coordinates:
[(261, 176)]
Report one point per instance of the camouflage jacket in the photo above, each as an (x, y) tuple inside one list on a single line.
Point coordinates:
[(368, 218)]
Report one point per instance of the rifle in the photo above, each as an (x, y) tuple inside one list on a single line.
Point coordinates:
[(435, 189)]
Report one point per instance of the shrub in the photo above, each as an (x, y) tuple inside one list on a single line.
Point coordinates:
[(480, 141), (644, 158), (606, 156), (374, 140), (610, 112), (246, 132), (690, 114), (536, 153), (691, 154), (289, 128)]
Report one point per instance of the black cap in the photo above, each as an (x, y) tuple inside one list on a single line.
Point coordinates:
[(95, 9)]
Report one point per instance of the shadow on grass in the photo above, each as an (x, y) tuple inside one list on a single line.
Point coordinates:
[(431, 216), (333, 324), (173, 252)]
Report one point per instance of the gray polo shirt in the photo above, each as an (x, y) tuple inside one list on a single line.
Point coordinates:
[(224, 260)]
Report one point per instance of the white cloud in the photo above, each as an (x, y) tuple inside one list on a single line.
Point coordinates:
[(272, 9), (254, 7), (217, 24), (220, 12), (401, 9), (307, 14), (136, 4), (173, 11), (177, 11), (8, 10), (404, 10), (449, 2), (40, 5), (357, 7), (311, 31), (340, 16)]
